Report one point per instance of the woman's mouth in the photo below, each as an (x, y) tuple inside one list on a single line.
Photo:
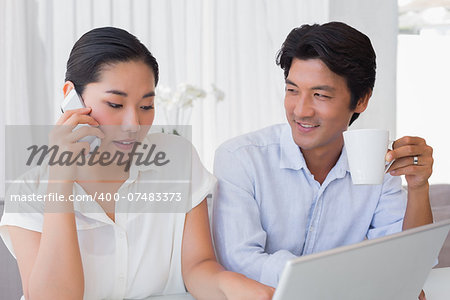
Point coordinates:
[(125, 144)]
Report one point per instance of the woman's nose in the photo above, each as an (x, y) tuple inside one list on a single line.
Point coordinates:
[(130, 122)]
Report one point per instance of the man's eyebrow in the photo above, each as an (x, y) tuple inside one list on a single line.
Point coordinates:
[(319, 87), (123, 94), (324, 88), (290, 82)]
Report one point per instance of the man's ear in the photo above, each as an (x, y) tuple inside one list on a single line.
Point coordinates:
[(68, 86), (363, 102)]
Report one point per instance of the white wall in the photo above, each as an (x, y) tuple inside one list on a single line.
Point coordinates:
[(379, 21), (230, 43), (246, 70), (423, 98)]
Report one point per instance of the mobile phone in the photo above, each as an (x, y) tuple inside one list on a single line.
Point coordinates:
[(73, 101)]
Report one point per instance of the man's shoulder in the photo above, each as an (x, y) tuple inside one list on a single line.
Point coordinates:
[(266, 137)]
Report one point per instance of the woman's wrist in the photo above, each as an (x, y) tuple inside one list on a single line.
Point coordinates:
[(227, 281), (224, 278)]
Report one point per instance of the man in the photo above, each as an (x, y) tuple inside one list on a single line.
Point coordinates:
[(286, 190)]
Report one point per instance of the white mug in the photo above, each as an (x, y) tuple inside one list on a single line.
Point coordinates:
[(366, 151)]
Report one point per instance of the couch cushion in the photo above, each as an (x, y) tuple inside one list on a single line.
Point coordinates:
[(440, 205), (10, 283)]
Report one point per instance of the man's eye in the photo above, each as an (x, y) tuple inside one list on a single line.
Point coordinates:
[(147, 107), (322, 96), (114, 105)]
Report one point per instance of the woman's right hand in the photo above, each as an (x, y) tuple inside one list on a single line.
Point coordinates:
[(66, 139)]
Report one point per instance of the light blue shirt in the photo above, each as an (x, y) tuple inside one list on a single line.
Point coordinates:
[(268, 208)]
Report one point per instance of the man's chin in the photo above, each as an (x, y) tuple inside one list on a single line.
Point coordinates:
[(304, 143), (305, 147)]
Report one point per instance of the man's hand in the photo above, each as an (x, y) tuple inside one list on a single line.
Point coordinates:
[(422, 296), (413, 158)]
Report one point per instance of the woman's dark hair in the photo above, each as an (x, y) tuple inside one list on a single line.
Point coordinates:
[(103, 46), (346, 51)]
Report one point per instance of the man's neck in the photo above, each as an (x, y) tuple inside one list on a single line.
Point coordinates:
[(321, 161)]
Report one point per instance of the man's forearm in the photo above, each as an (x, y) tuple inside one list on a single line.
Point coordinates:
[(418, 210)]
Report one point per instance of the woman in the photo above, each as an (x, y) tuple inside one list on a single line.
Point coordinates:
[(111, 249)]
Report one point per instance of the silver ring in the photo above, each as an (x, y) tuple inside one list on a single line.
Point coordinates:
[(415, 160)]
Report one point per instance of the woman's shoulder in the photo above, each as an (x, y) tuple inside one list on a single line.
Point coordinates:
[(166, 139), (162, 148), (32, 180)]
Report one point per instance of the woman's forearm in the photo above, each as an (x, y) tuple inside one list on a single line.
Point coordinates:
[(205, 280), (209, 280), (57, 272)]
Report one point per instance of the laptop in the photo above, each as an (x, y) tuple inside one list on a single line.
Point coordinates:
[(393, 267)]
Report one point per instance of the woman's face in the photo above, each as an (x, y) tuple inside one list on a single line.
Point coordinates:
[(122, 102)]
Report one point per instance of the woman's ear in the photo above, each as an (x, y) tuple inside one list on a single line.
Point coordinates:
[(68, 86), (363, 102)]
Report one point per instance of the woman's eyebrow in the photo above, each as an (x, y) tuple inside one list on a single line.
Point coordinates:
[(116, 92), (151, 94), (123, 94)]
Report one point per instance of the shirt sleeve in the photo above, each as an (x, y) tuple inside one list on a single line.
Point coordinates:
[(202, 182), (239, 236), (20, 210), (390, 210)]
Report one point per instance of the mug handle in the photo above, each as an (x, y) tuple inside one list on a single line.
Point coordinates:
[(388, 165)]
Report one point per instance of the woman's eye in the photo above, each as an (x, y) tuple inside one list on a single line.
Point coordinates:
[(147, 107), (114, 105)]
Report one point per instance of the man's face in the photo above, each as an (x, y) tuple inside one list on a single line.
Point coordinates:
[(317, 104)]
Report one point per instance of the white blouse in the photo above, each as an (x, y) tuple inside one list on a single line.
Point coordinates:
[(139, 254)]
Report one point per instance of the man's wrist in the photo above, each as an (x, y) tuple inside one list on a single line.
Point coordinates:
[(424, 188)]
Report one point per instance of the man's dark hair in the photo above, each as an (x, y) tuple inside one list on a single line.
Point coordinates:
[(102, 46), (344, 50)]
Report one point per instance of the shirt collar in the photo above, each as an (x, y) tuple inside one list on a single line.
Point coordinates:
[(341, 167), (94, 210), (292, 158), (290, 155), (142, 167)]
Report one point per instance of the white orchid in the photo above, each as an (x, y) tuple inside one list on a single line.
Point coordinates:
[(177, 105), (164, 96), (218, 94), (186, 94)]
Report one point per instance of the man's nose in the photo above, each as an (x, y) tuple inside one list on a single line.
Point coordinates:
[(304, 106)]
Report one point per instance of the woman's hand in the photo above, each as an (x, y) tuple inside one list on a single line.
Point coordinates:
[(236, 286), (66, 139)]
